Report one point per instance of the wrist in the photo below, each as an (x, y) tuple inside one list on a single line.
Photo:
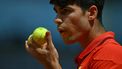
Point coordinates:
[(53, 65)]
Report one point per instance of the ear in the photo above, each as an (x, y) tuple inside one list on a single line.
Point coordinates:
[(93, 11)]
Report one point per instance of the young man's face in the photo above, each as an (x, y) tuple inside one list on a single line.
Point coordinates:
[(72, 23)]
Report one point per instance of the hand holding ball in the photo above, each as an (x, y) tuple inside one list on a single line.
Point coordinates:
[(38, 35)]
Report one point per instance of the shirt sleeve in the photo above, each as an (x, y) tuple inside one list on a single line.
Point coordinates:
[(104, 64)]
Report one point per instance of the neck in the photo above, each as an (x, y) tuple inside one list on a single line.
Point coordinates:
[(95, 31)]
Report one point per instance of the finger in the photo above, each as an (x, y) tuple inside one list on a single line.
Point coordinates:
[(31, 43), (49, 40), (28, 48), (44, 46), (56, 52), (42, 51), (39, 50)]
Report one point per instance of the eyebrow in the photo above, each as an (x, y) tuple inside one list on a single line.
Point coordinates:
[(61, 8)]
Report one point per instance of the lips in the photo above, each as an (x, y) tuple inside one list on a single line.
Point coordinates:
[(63, 32), (60, 29)]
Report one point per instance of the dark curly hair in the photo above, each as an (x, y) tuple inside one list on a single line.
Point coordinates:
[(84, 4)]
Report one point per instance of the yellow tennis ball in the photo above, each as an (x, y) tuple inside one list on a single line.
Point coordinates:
[(38, 35)]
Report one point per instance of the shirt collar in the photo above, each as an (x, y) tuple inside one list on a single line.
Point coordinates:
[(96, 42)]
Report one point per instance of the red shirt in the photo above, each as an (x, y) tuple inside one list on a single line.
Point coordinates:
[(102, 53)]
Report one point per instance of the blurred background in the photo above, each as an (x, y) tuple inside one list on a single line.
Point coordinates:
[(18, 18)]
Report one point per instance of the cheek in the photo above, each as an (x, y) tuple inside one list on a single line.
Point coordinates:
[(79, 24), (75, 21), (84, 24)]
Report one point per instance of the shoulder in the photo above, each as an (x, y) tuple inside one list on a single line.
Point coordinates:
[(109, 52), (109, 56)]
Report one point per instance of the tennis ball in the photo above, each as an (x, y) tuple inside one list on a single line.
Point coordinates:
[(38, 35)]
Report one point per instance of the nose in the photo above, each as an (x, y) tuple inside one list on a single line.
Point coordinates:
[(58, 21)]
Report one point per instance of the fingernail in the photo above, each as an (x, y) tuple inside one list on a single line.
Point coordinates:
[(47, 33)]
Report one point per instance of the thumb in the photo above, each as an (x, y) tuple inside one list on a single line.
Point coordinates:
[(49, 39)]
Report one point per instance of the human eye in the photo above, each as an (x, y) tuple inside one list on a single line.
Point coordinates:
[(66, 11)]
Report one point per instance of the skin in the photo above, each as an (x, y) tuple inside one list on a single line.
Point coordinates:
[(74, 25)]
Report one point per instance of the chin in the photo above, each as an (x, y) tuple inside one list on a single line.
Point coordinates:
[(70, 40)]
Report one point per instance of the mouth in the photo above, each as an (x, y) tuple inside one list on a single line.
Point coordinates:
[(61, 30)]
